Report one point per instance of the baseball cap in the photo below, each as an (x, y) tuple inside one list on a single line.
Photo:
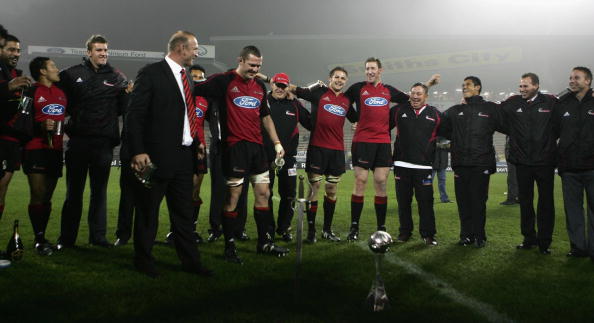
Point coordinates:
[(281, 78)]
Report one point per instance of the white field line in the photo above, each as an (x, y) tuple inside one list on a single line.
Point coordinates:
[(484, 309)]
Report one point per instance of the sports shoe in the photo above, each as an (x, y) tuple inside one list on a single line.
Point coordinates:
[(510, 201), (44, 248), (286, 236), (272, 249), (329, 235), (430, 241), (578, 253), (526, 245), (465, 241), (230, 254), (242, 236), (353, 235), (311, 236), (480, 243), (214, 235), (198, 238)]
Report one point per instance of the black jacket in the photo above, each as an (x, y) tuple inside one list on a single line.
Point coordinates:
[(574, 122), (470, 128), (95, 100), (415, 135), (286, 114), (530, 129)]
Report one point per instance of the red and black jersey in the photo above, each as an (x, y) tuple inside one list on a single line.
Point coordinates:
[(48, 103), (415, 133), (374, 110), (242, 103), (201, 109), (328, 112), (9, 101)]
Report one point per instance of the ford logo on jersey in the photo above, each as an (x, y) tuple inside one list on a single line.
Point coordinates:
[(53, 109), (247, 102), (335, 109), (199, 113), (376, 102)]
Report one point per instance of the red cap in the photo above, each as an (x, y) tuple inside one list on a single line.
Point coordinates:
[(281, 78)]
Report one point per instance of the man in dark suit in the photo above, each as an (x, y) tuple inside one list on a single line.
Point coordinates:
[(161, 135)]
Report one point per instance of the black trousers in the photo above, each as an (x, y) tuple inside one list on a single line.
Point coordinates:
[(286, 189), (92, 156), (421, 181), (544, 176), (147, 201), (472, 189), (126, 207), (512, 182)]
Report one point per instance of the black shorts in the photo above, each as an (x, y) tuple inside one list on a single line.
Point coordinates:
[(243, 159), (201, 166), (324, 161), (10, 155), (370, 155), (43, 161)]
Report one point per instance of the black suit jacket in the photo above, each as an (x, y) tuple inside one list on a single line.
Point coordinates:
[(155, 119)]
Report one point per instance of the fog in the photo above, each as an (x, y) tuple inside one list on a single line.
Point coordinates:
[(494, 40)]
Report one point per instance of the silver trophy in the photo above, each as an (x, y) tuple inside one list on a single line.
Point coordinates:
[(378, 243)]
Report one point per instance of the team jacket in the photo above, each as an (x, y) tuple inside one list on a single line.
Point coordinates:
[(9, 101), (373, 110), (470, 128), (286, 114), (574, 122), (95, 99), (415, 135), (48, 103), (530, 129), (328, 113), (241, 104)]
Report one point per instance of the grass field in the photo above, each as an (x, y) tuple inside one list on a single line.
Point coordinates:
[(444, 283)]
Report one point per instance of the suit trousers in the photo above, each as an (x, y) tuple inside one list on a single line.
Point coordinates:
[(147, 201), (126, 207), (421, 181), (544, 176), (472, 188)]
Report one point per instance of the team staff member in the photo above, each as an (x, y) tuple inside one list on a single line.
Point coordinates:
[(11, 85), (574, 121), (416, 125), (42, 156), (532, 150), (97, 95), (243, 111), (198, 74), (470, 127), (162, 132), (325, 153), (371, 142), (286, 113)]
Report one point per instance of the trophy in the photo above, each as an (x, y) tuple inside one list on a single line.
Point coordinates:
[(379, 243), (145, 175)]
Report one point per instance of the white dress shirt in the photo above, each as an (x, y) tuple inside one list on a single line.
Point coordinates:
[(176, 69)]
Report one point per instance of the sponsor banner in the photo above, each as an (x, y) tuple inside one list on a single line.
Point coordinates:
[(204, 51), (441, 61)]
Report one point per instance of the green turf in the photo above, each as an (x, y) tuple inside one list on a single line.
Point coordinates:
[(94, 284)]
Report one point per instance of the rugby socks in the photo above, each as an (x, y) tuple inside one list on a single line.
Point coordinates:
[(329, 206), (228, 221), (196, 211), (311, 215), (47, 210), (1, 210), (381, 205), (356, 208), (264, 224), (36, 216)]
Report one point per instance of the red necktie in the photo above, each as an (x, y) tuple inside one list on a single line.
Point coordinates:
[(190, 105), (417, 111)]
